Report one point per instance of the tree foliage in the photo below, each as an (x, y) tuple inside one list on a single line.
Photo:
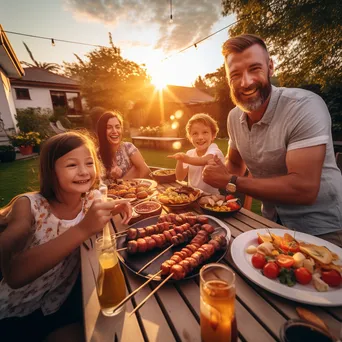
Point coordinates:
[(303, 35), (107, 79), (53, 67)]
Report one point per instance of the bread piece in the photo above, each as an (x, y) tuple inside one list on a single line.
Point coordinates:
[(319, 253), (311, 317)]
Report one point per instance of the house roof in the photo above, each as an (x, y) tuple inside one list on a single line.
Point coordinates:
[(40, 77), (8, 59), (186, 95)]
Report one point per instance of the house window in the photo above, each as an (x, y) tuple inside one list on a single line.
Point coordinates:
[(22, 93), (68, 102)]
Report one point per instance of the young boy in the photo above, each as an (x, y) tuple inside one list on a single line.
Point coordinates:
[(201, 130)]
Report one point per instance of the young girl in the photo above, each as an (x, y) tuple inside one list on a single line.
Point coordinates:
[(201, 130), (121, 159), (40, 258)]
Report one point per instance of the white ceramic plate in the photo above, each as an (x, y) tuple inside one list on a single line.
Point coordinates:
[(301, 293)]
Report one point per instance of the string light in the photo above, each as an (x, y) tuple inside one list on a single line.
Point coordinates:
[(171, 16), (53, 42)]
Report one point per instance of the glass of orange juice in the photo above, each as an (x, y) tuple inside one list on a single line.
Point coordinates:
[(110, 284), (217, 286)]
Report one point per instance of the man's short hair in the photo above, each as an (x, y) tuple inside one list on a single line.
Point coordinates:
[(240, 43)]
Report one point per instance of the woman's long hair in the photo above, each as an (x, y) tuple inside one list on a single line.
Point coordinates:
[(105, 149)]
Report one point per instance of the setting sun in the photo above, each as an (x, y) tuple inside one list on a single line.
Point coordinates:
[(159, 82)]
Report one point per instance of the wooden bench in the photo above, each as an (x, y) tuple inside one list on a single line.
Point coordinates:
[(157, 142)]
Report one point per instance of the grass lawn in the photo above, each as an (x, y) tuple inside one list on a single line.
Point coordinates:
[(22, 175)]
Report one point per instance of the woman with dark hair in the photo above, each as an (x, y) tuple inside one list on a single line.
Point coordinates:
[(121, 159)]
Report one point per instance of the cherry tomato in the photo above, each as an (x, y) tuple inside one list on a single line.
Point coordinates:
[(234, 205), (229, 197), (285, 260), (292, 246), (288, 244), (258, 260), (303, 276), (260, 240), (332, 277), (271, 270)]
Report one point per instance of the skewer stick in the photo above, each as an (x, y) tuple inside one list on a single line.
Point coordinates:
[(121, 249), (152, 293), (135, 291), (120, 234), (150, 262)]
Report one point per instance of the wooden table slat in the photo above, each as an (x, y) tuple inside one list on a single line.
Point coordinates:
[(155, 323)]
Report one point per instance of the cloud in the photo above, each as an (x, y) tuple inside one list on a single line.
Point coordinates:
[(193, 19)]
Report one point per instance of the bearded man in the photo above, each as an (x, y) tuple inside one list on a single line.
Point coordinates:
[(283, 137)]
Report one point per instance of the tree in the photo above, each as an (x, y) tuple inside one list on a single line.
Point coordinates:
[(53, 67), (303, 35), (216, 84), (107, 79)]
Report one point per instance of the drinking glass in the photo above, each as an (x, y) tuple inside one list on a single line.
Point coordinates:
[(297, 330), (217, 304), (110, 284)]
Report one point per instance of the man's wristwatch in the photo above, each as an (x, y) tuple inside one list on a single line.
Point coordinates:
[(231, 186)]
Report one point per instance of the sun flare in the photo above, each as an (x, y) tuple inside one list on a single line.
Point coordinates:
[(159, 82)]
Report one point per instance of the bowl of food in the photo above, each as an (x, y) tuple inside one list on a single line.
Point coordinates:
[(149, 208), (164, 175), (144, 210), (179, 197), (219, 205)]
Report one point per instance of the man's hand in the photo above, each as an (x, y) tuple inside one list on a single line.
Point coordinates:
[(178, 156), (216, 173)]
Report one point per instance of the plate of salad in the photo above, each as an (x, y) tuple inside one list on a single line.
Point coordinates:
[(293, 265)]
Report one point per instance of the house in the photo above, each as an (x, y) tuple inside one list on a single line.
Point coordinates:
[(44, 89), (160, 107), (9, 67)]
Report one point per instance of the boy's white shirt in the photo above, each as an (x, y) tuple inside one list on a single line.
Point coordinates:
[(195, 172)]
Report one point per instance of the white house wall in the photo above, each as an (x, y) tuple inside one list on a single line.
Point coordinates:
[(40, 97), (7, 107)]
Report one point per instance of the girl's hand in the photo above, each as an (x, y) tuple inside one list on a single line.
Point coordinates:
[(178, 156), (125, 209), (97, 217), (115, 172)]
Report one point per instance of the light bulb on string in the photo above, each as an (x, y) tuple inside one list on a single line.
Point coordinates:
[(171, 17), (53, 42)]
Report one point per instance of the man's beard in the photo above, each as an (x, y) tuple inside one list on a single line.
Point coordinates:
[(254, 102)]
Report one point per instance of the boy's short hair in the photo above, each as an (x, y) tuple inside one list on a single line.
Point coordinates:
[(206, 120)]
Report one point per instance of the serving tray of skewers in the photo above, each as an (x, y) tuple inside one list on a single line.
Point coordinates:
[(173, 246)]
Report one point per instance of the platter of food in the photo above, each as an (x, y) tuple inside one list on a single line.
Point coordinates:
[(219, 205), (134, 189), (293, 265), (196, 240), (179, 197)]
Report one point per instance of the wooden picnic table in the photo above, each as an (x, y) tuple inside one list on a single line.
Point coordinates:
[(172, 314)]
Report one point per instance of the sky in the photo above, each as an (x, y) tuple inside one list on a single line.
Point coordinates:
[(140, 28)]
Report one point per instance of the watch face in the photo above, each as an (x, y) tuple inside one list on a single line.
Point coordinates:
[(231, 187)]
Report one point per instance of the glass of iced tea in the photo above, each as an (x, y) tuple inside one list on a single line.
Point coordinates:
[(110, 284), (217, 286)]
